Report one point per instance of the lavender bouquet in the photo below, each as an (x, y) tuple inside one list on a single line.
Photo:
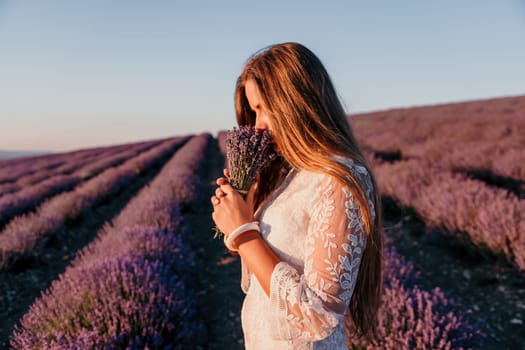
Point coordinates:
[(247, 153)]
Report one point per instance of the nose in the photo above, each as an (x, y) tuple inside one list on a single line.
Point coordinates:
[(260, 125)]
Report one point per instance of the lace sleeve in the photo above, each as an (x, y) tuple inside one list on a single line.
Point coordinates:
[(310, 305)]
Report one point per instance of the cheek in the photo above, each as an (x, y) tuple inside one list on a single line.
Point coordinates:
[(271, 129), (275, 145), (269, 124)]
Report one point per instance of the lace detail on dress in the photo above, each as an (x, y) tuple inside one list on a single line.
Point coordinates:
[(310, 306)]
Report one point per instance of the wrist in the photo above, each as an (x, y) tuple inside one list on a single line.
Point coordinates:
[(241, 230), (245, 237)]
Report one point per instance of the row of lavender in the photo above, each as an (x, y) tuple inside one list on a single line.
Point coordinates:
[(14, 170), (129, 288), (480, 135), (412, 318), (490, 218), (72, 162), (26, 235), (55, 181)]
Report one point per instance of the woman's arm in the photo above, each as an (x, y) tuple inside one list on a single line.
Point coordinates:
[(258, 257), (310, 303), (230, 212)]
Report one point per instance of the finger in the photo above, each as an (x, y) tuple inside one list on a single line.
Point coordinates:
[(222, 180), (226, 188), (227, 173), (215, 201), (219, 193), (250, 197)]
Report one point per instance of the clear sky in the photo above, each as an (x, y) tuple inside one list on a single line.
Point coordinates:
[(77, 74)]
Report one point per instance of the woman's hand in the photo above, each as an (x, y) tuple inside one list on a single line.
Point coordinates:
[(230, 210)]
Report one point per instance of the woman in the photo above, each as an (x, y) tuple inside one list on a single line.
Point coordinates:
[(310, 241)]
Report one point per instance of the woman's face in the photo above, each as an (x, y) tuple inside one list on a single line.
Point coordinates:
[(262, 118)]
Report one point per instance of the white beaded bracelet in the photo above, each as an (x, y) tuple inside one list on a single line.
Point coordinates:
[(228, 240)]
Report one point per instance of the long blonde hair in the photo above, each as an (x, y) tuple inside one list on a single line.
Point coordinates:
[(310, 126)]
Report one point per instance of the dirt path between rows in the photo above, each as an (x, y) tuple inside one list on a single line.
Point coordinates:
[(220, 296)]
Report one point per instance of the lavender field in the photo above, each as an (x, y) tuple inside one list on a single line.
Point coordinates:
[(112, 247)]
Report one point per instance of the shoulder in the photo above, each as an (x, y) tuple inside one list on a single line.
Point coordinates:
[(324, 187), (363, 177), (357, 169)]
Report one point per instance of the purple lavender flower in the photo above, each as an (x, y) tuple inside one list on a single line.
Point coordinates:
[(247, 153)]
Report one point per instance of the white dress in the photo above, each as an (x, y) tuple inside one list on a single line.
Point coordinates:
[(314, 225)]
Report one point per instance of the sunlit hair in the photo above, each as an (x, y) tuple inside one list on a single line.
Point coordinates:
[(310, 126)]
